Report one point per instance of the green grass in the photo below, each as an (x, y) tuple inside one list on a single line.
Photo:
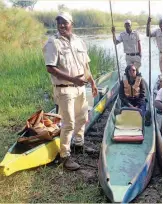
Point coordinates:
[(24, 80), (48, 185)]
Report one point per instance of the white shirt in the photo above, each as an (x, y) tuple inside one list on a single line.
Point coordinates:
[(69, 56), (130, 41), (158, 34), (159, 95)]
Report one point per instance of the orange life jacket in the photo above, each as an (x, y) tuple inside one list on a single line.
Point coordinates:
[(132, 90)]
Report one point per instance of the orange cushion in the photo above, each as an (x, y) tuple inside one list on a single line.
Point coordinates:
[(127, 138)]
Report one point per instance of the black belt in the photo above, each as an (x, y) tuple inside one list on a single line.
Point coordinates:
[(66, 85), (132, 54)]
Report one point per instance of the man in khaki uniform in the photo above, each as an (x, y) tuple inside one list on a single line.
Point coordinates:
[(67, 61), (157, 33), (131, 44)]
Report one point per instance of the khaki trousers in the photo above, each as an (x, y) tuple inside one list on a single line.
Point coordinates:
[(74, 111), (135, 60), (160, 61)]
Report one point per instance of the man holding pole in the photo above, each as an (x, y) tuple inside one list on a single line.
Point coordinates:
[(157, 33), (131, 44)]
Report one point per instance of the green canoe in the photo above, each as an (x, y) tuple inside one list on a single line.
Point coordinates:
[(125, 166)]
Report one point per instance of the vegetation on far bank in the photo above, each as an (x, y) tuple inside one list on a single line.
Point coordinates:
[(89, 18), (94, 18)]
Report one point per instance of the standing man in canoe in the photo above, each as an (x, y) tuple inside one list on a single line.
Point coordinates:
[(67, 61), (131, 44), (157, 33)]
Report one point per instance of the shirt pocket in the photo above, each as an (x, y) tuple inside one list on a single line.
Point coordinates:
[(64, 56), (133, 38), (81, 55), (125, 38)]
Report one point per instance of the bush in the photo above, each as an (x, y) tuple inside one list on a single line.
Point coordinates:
[(19, 30), (47, 18)]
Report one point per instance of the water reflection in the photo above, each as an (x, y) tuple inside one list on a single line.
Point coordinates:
[(105, 41)]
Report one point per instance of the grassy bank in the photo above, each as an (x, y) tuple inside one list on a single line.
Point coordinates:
[(23, 83)]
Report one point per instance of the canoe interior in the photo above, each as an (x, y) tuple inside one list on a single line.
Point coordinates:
[(20, 148), (124, 160)]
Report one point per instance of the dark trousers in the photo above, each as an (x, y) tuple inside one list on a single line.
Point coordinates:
[(143, 109), (134, 103)]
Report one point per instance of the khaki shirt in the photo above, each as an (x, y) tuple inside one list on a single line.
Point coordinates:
[(130, 42), (158, 34), (69, 56)]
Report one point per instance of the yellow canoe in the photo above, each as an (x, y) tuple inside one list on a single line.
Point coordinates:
[(15, 161)]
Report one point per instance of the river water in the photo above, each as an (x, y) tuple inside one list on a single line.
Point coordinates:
[(106, 42)]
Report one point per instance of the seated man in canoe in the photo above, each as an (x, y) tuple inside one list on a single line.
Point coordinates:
[(158, 105), (132, 89)]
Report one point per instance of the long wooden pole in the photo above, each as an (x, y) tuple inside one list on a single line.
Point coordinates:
[(115, 44), (149, 49)]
